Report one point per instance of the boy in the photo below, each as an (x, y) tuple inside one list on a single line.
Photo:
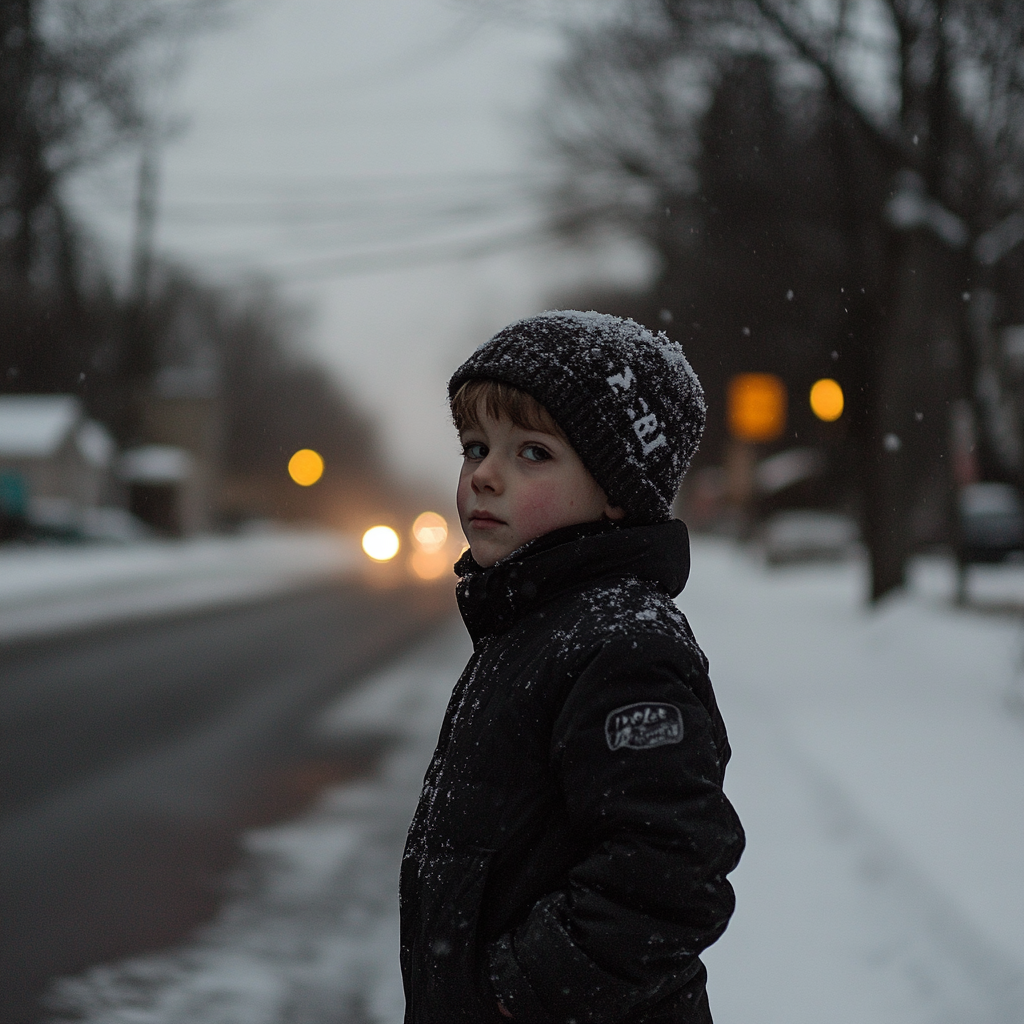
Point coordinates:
[(567, 860)]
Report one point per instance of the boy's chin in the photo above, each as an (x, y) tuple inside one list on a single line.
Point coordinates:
[(484, 558), (486, 552)]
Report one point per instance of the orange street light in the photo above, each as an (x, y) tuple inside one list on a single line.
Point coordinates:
[(756, 407), (305, 467), (827, 400)]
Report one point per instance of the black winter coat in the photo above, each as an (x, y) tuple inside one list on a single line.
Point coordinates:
[(570, 849)]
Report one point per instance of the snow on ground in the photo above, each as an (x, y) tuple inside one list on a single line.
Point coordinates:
[(878, 768), (880, 775), (51, 588)]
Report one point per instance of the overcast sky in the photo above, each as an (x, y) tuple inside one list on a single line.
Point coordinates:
[(322, 137)]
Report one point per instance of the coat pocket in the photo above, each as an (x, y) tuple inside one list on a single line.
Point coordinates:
[(450, 972)]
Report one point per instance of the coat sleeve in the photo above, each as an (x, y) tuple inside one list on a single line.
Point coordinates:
[(650, 891)]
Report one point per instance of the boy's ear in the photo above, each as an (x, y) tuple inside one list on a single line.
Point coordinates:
[(614, 513)]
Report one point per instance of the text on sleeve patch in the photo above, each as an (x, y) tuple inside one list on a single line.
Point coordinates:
[(642, 726)]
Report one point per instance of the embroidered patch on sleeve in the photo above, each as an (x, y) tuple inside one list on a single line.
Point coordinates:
[(642, 726)]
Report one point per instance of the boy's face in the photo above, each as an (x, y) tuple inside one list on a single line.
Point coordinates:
[(519, 484)]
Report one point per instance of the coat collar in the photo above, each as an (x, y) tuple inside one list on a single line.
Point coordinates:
[(492, 599)]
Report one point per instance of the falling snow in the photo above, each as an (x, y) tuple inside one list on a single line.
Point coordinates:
[(878, 768)]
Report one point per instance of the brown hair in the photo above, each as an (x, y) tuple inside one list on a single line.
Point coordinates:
[(501, 400)]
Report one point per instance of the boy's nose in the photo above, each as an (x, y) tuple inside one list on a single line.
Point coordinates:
[(486, 477)]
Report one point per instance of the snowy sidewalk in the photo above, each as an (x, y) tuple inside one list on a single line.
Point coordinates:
[(877, 768), (50, 589), (879, 772)]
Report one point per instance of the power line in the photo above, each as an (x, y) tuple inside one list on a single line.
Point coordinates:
[(249, 213), (377, 261), (379, 222)]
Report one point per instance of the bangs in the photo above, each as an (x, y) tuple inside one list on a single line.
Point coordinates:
[(500, 401)]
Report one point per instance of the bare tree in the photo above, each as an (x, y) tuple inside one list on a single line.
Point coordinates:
[(74, 81), (923, 104), (240, 348)]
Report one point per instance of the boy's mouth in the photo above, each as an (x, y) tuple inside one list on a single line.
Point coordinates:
[(485, 520)]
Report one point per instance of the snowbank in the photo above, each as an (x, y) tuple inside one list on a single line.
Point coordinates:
[(50, 589)]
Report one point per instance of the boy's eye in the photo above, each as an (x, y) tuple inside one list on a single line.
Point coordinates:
[(474, 450), (535, 453)]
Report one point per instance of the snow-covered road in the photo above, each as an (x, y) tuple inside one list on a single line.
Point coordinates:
[(878, 768)]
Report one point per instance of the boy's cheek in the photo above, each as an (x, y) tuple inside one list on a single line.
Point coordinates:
[(464, 497), (544, 508)]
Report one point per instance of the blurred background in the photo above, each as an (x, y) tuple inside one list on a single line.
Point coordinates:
[(243, 244)]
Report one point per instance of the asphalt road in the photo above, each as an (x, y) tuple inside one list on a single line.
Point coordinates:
[(132, 758)]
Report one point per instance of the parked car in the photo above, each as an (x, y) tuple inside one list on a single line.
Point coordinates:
[(990, 526), (807, 535), (991, 522)]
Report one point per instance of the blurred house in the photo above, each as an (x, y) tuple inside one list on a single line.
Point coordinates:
[(55, 464), (174, 479), (163, 489)]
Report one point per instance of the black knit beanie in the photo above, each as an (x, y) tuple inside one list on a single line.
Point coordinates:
[(627, 399)]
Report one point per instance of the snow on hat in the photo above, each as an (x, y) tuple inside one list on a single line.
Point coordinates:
[(627, 399)]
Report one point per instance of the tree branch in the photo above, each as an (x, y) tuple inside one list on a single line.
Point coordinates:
[(891, 147)]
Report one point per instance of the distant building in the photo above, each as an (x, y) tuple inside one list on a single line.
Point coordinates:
[(54, 462), (162, 488), (174, 478)]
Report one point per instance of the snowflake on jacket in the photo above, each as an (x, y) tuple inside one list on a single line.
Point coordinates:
[(569, 854)]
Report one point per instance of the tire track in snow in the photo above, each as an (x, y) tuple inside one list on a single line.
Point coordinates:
[(924, 938)]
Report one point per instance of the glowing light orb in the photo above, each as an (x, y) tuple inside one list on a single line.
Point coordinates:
[(381, 543), (429, 565), (430, 531), (756, 407), (305, 467), (827, 400)]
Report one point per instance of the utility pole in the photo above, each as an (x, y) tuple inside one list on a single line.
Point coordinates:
[(145, 223), (138, 361)]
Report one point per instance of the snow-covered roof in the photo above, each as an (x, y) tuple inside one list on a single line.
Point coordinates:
[(35, 426), (155, 464)]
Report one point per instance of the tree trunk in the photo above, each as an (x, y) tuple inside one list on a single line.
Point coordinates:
[(913, 380)]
